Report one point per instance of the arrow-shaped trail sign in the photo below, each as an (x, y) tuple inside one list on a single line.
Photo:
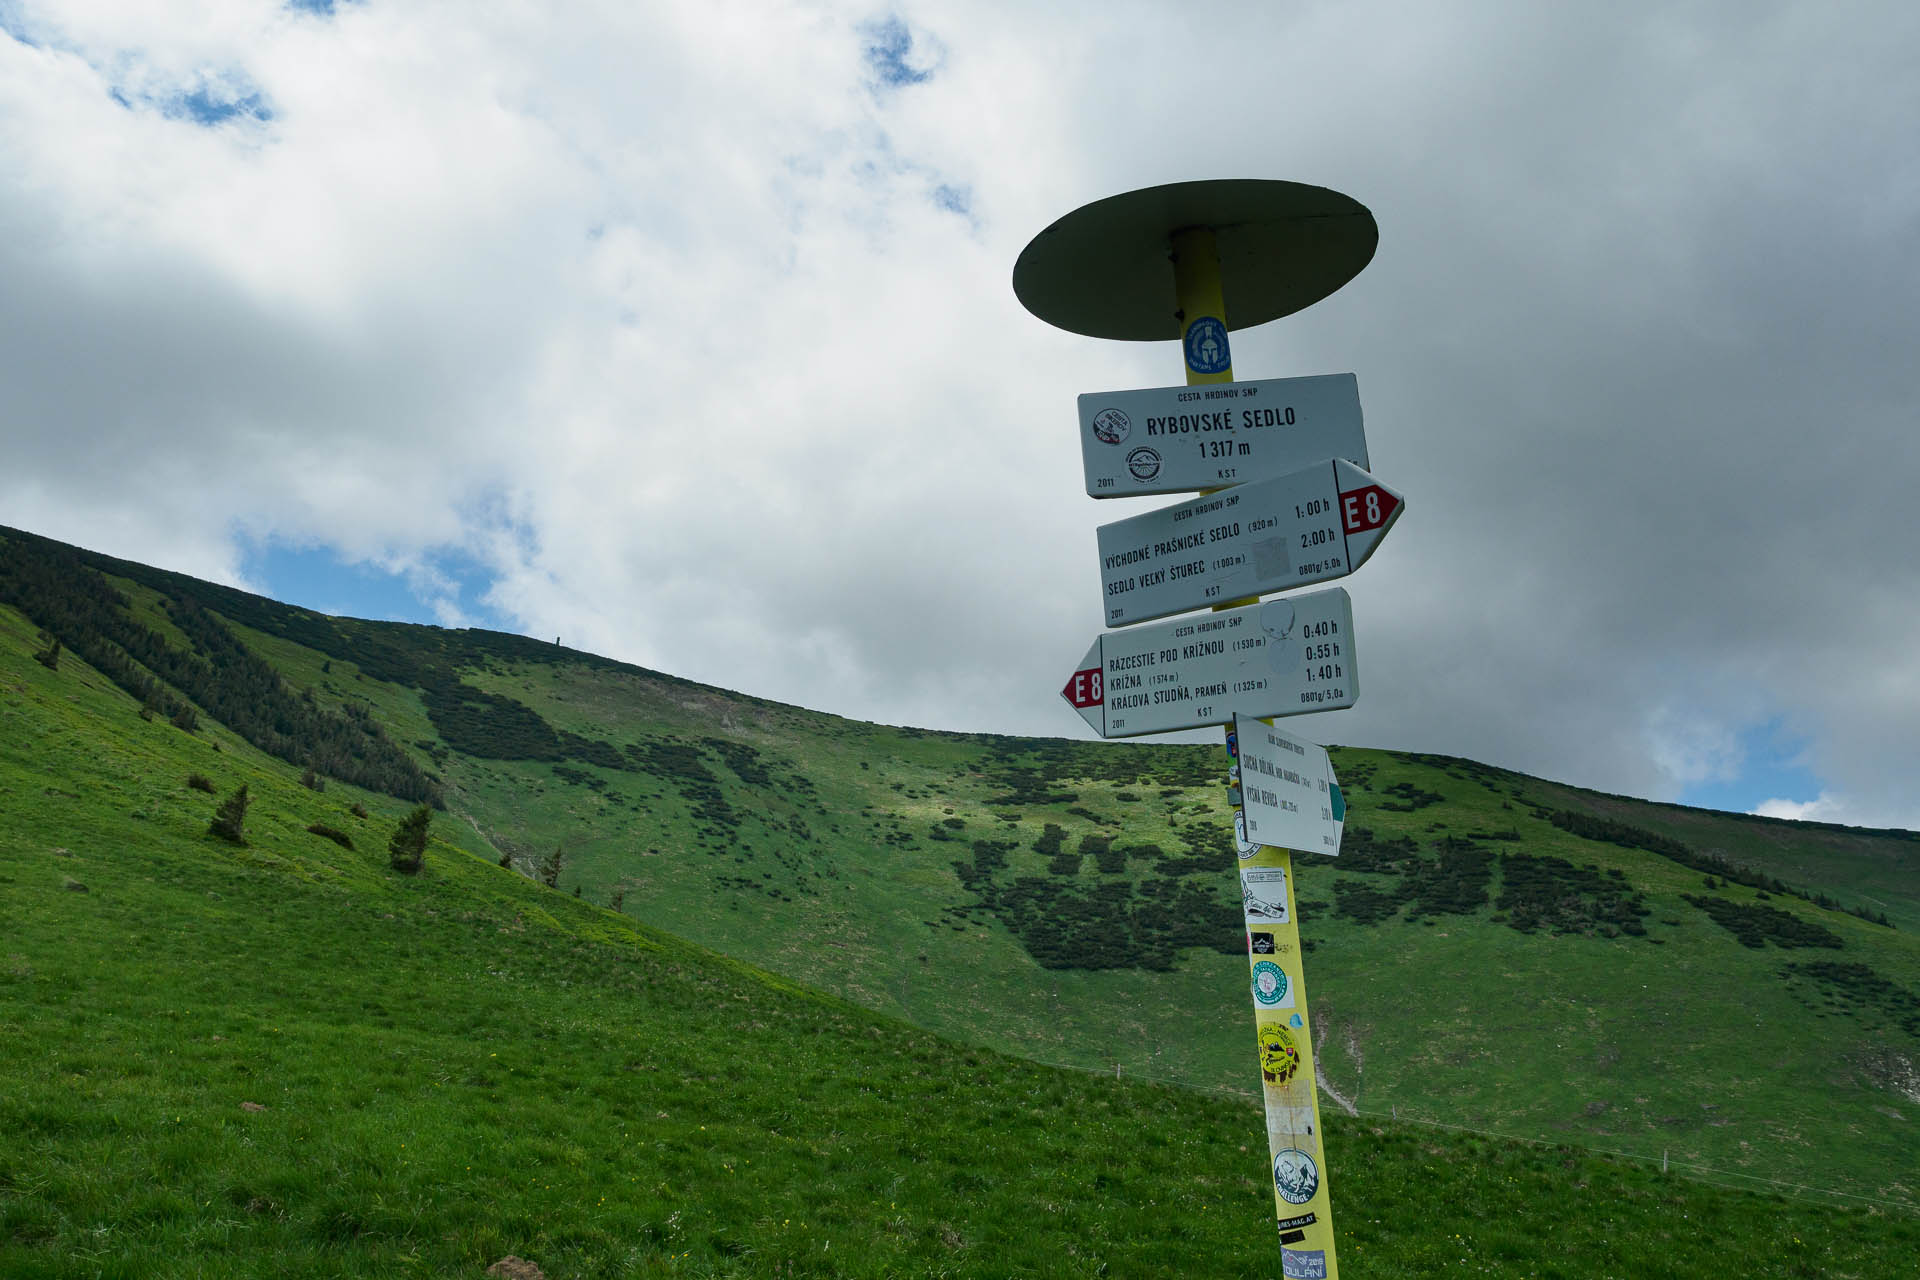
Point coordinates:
[(1308, 526), (1280, 657), (1177, 439)]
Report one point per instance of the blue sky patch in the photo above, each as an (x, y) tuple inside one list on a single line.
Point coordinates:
[(209, 106), (1772, 768), (889, 45), (12, 24), (954, 199), (318, 578)]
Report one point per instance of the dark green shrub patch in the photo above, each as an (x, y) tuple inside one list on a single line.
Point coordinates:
[(334, 834), (1407, 798), (1361, 850), (1591, 828), (1116, 923), (61, 589), (1362, 903), (1856, 988), (1455, 883), (1551, 894), (1755, 925), (1209, 851), (742, 758), (683, 766)]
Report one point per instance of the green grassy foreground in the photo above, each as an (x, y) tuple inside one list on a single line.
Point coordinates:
[(285, 1059)]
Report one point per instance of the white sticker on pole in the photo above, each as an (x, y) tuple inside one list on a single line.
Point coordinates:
[(1177, 439), (1289, 794), (1263, 891)]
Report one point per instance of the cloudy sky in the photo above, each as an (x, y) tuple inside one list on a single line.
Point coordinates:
[(685, 332)]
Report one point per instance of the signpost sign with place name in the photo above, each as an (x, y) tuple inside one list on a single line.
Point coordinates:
[(1289, 794), (1178, 439), (1312, 525), (1279, 657)]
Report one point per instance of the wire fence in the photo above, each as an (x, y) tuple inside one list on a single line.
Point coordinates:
[(1730, 1179)]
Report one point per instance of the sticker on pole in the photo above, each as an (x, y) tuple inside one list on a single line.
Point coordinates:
[(1178, 439), (1281, 657), (1308, 526), (1288, 792)]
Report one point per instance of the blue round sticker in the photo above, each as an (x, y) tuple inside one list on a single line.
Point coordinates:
[(1207, 346)]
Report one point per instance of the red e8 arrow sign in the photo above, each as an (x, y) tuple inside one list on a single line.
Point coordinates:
[(1084, 690)]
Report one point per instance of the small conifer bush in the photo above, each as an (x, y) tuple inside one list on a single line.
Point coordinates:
[(229, 820), (200, 782), (408, 848)]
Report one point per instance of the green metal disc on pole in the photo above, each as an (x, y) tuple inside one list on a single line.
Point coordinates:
[(1102, 269)]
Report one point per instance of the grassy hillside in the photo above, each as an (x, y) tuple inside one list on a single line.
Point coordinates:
[(285, 1059), (1492, 951)]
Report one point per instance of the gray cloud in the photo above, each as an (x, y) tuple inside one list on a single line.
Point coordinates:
[(667, 317)]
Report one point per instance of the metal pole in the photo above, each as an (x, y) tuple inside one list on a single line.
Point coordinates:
[(1302, 1204)]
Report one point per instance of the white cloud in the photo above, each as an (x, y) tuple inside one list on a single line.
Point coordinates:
[(656, 310)]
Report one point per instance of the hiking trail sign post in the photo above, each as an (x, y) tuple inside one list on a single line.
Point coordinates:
[(1163, 263), (1177, 439), (1309, 526), (1273, 658)]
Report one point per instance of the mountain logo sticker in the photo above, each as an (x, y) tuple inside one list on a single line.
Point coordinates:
[(1295, 1176)]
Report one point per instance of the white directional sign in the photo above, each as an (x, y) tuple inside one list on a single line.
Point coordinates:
[(1289, 795), (1280, 657), (1177, 439), (1307, 526)]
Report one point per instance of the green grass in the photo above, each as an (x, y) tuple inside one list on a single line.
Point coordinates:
[(1682, 1043), (824, 849), (284, 1059)]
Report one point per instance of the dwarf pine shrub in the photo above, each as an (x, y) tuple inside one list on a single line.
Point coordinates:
[(229, 820)]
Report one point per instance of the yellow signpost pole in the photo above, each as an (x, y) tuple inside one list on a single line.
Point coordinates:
[(1282, 1030), (1100, 271)]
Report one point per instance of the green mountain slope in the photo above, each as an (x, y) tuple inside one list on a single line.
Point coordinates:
[(1492, 951), (283, 1058)]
